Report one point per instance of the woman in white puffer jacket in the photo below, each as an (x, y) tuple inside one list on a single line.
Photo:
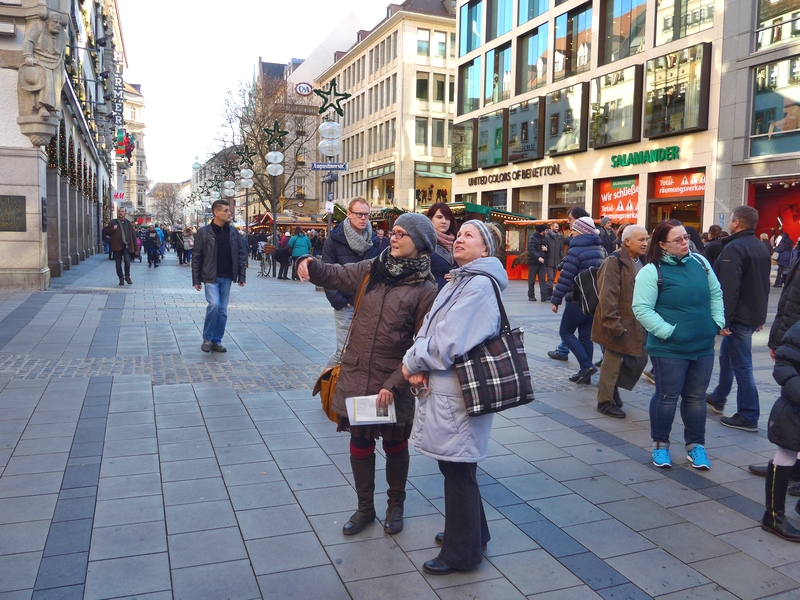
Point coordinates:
[(464, 315)]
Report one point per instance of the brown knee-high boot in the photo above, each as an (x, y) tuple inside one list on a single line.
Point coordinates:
[(364, 478), (396, 477), (774, 519)]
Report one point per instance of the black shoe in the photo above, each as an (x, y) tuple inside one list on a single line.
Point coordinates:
[(617, 399), (531, 299), (545, 299), (556, 356), (717, 408), (612, 410), (437, 567), (585, 375), (128, 279), (794, 474), (149, 265), (737, 422), (122, 282), (205, 346), (218, 348)]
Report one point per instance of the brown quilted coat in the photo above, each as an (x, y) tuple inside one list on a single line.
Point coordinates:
[(383, 329)]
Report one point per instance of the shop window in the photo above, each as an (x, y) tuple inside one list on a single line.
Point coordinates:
[(678, 19), (498, 74), (524, 141), (438, 87), (491, 149), (463, 146), (776, 109), (623, 28), (564, 196), (566, 115), (438, 133), (532, 56), (778, 23), (615, 108), (677, 92), (573, 42), (498, 18), (470, 27), (439, 44), (423, 42), (422, 86), (470, 86), (530, 9), (421, 131), (529, 202)]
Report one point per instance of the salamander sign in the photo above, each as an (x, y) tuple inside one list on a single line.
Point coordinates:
[(645, 156)]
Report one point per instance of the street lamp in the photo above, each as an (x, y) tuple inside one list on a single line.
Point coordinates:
[(329, 147), (246, 182), (274, 169)]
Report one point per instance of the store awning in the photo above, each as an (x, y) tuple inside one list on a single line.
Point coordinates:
[(378, 172), (433, 174), (369, 178)]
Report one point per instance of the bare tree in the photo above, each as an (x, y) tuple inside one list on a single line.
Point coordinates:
[(167, 204), (256, 107)]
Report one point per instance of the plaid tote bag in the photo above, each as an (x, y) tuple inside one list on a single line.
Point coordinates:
[(494, 375)]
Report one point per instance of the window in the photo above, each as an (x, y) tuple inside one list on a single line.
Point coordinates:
[(394, 132), (778, 23), (439, 44), (498, 74), (394, 88), (530, 9), (532, 58), (452, 92), (573, 42), (371, 53), (423, 42), (438, 133), (381, 94), (491, 148), (471, 27), (422, 86), (564, 113), (421, 131), (470, 85), (383, 53), (452, 45), (677, 92), (523, 131), (624, 28), (389, 48), (438, 87), (679, 21), (498, 18), (463, 149), (776, 108), (394, 45), (615, 112)]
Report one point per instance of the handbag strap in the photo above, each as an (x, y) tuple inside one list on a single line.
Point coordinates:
[(355, 310), (505, 326)]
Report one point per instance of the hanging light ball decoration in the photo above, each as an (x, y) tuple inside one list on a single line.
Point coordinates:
[(227, 189), (330, 145), (246, 181), (274, 159)]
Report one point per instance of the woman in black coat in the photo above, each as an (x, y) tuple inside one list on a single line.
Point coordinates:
[(784, 432)]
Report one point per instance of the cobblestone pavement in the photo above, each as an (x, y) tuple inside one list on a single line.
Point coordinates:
[(134, 465)]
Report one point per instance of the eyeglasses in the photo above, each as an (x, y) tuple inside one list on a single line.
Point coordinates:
[(398, 235), (361, 215), (683, 238)]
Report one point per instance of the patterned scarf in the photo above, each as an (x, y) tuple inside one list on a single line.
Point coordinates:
[(360, 243), (389, 270), (446, 240)]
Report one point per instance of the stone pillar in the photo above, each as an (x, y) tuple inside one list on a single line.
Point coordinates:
[(81, 225), (63, 222), (74, 245), (54, 224)]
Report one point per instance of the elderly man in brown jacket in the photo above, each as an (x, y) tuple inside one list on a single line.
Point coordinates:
[(615, 328), (122, 242)]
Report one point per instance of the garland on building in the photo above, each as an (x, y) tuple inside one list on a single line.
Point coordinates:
[(52, 153), (73, 176), (85, 179), (62, 149)]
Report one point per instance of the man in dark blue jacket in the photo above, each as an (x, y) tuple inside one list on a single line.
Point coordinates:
[(537, 253), (743, 269), (350, 241)]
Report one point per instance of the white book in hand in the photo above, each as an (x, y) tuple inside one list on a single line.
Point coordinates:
[(363, 410)]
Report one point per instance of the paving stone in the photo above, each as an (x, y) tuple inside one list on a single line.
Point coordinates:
[(568, 510), (127, 576), (534, 572), (710, 591), (600, 489), (593, 571), (27, 508), (323, 582), (672, 575), (261, 495), (365, 560), (235, 455), (744, 576), (189, 492), (182, 435), (763, 546), (183, 470), (44, 446), (18, 571), (72, 592), (608, 538), (131, 486), (552, 538), (206, 547), (187, 518), (23, 537), (61, 571), (668, 493), (212, 582), (329, 500), (243, 474), (109, 513), (129, 465), (241, 437), (81, 476), (36, 463), (68, 537), (714, 517), (70, 509), (128, 540), (640, 513)]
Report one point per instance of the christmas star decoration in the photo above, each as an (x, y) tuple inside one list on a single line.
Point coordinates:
[(216, 181), (332, 99), (230, 170), (246, 155), (204, 188), (276, 135)]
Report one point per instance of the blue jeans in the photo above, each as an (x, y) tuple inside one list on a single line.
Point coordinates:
[(217, 296), (689, 380), (573, 319), (736, 359)]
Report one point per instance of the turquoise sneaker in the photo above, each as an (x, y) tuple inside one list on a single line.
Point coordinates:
[(661, 458), (697, 456)]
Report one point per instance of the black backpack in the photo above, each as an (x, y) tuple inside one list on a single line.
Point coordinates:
[(585, 290)]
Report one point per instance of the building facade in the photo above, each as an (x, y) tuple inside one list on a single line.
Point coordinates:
[(136, 181), (60, 64), (759, 139), (398, 120), (607, 104)]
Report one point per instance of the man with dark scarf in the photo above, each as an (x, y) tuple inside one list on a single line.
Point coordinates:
[(351, 241)]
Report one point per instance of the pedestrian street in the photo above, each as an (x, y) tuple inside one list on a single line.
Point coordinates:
[(134, 465)]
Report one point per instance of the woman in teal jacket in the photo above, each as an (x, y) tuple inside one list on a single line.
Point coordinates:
[(678, 300), (300, 245)]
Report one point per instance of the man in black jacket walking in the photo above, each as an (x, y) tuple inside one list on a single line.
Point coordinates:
[(219, 259), (743, 269), (537, 253)]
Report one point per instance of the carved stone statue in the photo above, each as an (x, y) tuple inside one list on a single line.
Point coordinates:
[(41, 77)]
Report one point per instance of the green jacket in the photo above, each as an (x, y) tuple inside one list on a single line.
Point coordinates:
[(684, 317)]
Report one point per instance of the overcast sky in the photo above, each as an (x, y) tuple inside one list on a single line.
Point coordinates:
[(187, 54)]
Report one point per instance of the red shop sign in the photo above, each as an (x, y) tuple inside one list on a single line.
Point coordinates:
[(680, 184)]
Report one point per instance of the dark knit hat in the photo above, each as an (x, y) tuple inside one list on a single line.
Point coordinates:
[(604, 221), (421, 230), (541, 228)]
